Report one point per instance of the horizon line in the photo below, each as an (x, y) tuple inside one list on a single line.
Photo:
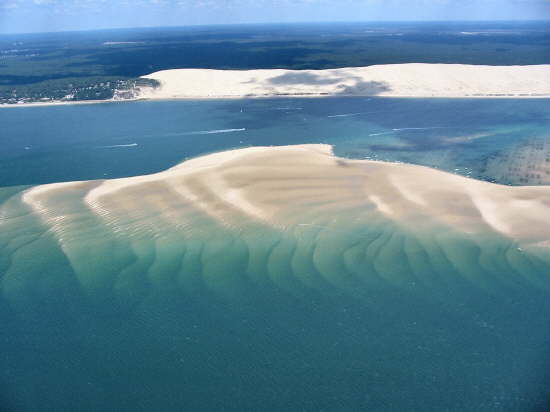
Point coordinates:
[(105, 29)]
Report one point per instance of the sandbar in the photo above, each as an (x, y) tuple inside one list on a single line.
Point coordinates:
[(284, 186)]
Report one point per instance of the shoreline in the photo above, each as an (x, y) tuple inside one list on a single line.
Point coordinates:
[(266, 97), (61, 103)]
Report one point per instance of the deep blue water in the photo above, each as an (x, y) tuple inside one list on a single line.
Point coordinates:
[(446, 343)]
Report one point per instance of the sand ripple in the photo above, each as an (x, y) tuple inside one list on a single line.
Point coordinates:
[(290, 217)]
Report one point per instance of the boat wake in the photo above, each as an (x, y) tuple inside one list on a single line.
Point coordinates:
[(200, 132), (118, 145)]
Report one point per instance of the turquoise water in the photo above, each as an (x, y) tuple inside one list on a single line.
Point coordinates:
[(345, 317), (81, 142)]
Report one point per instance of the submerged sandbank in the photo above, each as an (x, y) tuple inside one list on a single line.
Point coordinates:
[(393, 80), (286, 217)]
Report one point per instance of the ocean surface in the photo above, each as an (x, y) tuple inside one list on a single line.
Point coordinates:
[(407, 320), (471, 137)]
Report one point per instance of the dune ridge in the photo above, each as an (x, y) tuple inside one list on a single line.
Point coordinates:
[(393, 80)]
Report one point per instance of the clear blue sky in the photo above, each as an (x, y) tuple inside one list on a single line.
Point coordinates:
[(57, 15)]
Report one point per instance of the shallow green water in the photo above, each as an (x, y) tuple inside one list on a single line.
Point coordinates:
[(338, 316)]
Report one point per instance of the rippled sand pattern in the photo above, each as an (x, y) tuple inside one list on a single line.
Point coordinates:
[(291, 218)]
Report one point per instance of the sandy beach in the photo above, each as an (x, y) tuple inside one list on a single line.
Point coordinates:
[(62, 103), (396, 80)]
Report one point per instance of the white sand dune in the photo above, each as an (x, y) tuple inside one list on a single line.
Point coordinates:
[(394, 80)]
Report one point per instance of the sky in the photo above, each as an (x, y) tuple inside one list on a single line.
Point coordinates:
[(23, 16)]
